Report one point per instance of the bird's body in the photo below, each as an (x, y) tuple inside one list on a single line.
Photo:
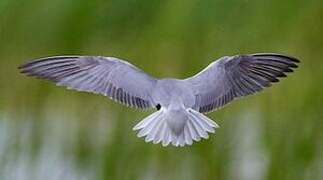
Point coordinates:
[(181, 104), (173, 93), (175, 99)]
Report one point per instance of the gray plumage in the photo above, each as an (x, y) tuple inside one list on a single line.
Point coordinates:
[(180, 102)]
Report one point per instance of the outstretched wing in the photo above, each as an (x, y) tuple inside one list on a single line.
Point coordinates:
[(236, 76), (108, 76)]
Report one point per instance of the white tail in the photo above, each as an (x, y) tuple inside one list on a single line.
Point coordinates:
[(158, 130)]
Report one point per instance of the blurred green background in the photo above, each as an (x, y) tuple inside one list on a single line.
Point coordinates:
[(48, 132)]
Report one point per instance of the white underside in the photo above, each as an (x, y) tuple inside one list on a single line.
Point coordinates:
[(155, 128)]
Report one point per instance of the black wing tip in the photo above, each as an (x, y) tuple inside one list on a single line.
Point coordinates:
[(23, 67), (47, 58), (54, 57), (282, 75), (291, 58)]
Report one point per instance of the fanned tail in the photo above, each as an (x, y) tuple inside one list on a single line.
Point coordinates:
[(157, 129)]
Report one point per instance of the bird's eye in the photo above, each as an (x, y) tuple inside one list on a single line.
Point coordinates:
[(158, 107)]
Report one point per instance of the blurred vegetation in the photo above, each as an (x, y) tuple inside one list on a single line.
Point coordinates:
[(47, 132)]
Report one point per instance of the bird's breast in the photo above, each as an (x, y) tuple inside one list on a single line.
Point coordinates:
[(172, 92)]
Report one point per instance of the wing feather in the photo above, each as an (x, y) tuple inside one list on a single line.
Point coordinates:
[(236, 76), (108, 76)]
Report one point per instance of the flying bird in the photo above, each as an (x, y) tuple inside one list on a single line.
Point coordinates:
[(181, 104)]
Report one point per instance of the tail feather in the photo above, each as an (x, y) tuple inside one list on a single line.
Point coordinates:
[(166, 139), (193, 131), (188, 136), (178, 140), (203, 121), (157, 129), (147, 124), (145, 121), (154, 131), (199, 128)]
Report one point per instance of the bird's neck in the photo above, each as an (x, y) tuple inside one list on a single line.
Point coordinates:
[(176, 103)]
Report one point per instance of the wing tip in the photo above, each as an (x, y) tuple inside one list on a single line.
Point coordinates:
[(24, 69), (291, 58), (42, 59)]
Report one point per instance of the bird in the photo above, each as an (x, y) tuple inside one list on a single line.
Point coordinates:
[(180, 105)]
